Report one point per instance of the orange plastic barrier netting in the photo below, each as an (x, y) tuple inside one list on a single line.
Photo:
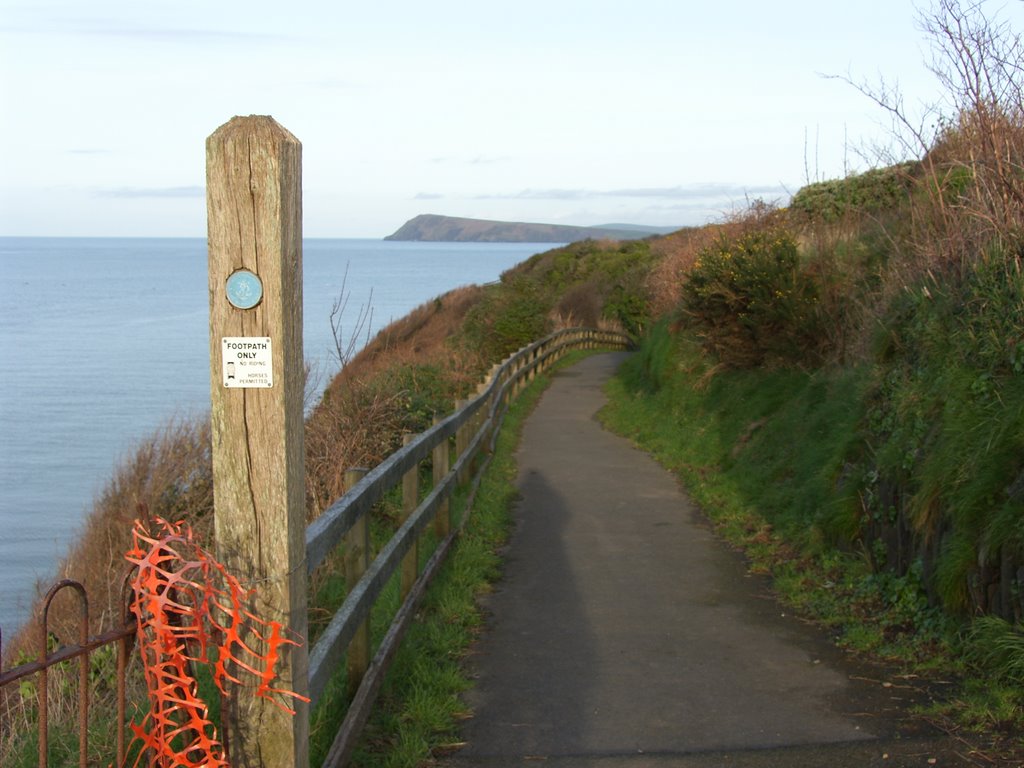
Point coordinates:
[(187, 604)]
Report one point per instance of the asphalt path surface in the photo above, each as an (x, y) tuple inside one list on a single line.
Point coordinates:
[(624, 633)]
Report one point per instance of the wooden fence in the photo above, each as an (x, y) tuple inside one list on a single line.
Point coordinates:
[(473, 428)]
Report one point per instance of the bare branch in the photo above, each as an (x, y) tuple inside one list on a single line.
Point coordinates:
[(345, 348)]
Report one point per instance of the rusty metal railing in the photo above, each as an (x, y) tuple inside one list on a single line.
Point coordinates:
[(79, 652)]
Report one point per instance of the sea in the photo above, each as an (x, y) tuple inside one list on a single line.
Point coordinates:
[(104, 340)]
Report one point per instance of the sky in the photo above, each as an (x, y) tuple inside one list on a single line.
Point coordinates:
[(586, 112)]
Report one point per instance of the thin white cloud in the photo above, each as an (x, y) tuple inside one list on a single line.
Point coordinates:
[(185, 35), (117, 28), (148, 192), (698, 191), (474, 160), (335, 83), (689, 192)]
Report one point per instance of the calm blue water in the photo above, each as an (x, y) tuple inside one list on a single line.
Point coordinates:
[(103, 340)]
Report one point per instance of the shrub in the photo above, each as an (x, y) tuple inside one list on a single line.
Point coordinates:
[(997, 647), (879, 189), (511, 315), (580, 305), (674, 255), (423, 390), (751, 303), (592, 281), (943, 429), (627, 308)]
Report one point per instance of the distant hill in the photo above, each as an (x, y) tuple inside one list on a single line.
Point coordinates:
[(454, 229)]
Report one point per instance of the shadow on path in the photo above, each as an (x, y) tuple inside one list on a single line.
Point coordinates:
[(624, 633)]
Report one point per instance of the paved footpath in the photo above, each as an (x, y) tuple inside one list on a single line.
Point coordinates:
[(625, 634)]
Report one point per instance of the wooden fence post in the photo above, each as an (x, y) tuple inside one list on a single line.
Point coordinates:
[(357, 560), (517, 383), (462, 443), (480, 420), (442, 463), (254, 212), (410, 500)]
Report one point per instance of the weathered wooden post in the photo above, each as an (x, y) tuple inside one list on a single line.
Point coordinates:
[(254, 210)]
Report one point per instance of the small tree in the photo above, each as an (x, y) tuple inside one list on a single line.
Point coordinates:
[(971, 192)]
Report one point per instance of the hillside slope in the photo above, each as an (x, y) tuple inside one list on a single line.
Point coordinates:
[(430, 227)]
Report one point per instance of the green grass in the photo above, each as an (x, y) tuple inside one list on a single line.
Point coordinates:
[(769, 457), (19, 746), (774, 440), (327, 716)]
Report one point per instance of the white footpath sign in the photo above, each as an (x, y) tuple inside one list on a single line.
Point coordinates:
[(247, 361)]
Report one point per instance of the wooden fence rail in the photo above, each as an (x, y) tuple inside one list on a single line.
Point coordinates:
[(474, 426)]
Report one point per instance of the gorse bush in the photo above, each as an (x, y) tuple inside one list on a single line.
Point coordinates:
[(880, 189), (751, 303)]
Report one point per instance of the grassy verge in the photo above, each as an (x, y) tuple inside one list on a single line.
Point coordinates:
[(767, 455), (763, 454)]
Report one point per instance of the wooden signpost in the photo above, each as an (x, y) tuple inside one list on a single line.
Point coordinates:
[(254, 209)]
